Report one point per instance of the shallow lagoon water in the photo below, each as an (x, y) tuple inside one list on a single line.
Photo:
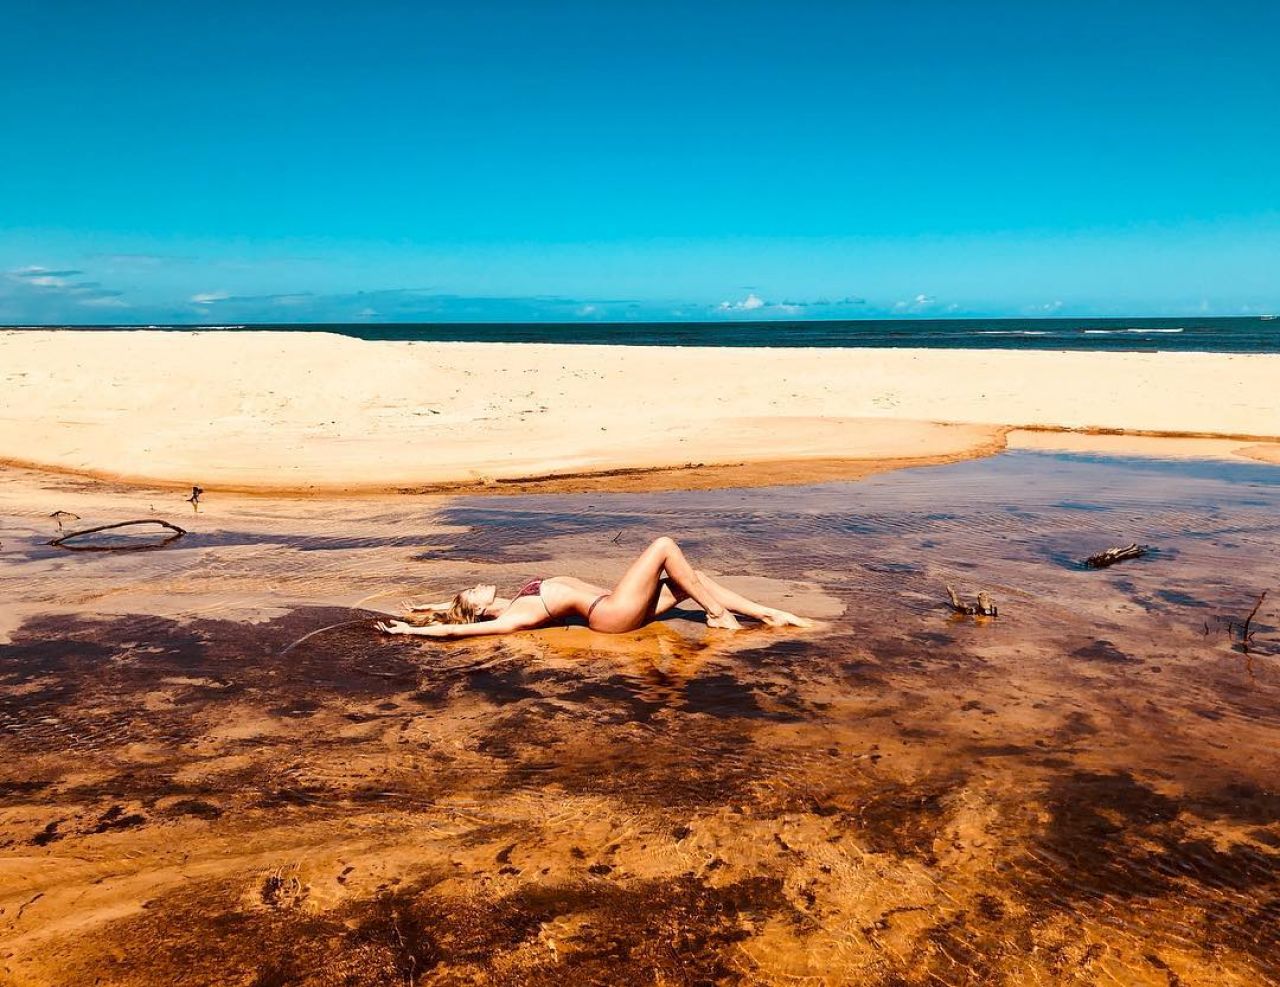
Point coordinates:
[(214, 772)]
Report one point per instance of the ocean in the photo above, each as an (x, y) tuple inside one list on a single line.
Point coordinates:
[(1204, 335)]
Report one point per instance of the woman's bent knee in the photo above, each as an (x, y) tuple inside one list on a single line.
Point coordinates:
[(664, 542)]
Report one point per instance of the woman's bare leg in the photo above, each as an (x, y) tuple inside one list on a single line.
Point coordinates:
[(636, 596), (670, 597), (749, 608)]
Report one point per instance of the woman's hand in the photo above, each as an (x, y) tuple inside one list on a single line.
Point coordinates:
[(400, 627)]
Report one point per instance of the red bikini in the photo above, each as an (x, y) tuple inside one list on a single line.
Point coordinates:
[(534, 588)]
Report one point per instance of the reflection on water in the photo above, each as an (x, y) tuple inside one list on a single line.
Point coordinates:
[(215, 773)]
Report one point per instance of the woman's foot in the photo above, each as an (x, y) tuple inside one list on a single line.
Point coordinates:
[(781, 618), (725, 620)]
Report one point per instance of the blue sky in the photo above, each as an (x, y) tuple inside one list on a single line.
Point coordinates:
[(234, 162)]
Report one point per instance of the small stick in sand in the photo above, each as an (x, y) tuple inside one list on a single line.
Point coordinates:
[(59, 515), (985, 607), (1113, 555), (1246, 635), (177, 532)]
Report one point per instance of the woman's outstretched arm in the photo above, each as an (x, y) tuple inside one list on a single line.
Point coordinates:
[(506, 624)]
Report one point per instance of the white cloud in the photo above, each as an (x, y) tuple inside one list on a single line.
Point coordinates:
[(917, 304), (824, 302), (37, 276), (389, 304), (748, 304), (823, 306), (43, 292)]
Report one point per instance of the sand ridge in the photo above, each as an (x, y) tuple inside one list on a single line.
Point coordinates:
[(320, 412)]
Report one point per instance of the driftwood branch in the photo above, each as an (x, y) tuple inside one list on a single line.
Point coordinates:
[(985, 607), (1113, 555), (62, 539), (1246, 635)]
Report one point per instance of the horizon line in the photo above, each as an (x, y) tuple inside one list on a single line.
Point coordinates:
[(1264, 317)]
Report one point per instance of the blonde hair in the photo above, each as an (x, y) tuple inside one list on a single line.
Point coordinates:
[(460, 611)]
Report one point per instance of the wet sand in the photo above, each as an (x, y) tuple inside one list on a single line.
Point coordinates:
[(214, 773)]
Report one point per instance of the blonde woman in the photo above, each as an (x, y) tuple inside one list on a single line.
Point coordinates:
[(661, 578)]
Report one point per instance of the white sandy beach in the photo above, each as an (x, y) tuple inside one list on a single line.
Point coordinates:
[(309, 411)]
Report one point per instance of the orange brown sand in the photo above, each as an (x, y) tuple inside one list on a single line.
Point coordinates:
[(214, 772)]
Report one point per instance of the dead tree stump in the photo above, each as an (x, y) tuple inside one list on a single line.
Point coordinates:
[(984, 607)]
